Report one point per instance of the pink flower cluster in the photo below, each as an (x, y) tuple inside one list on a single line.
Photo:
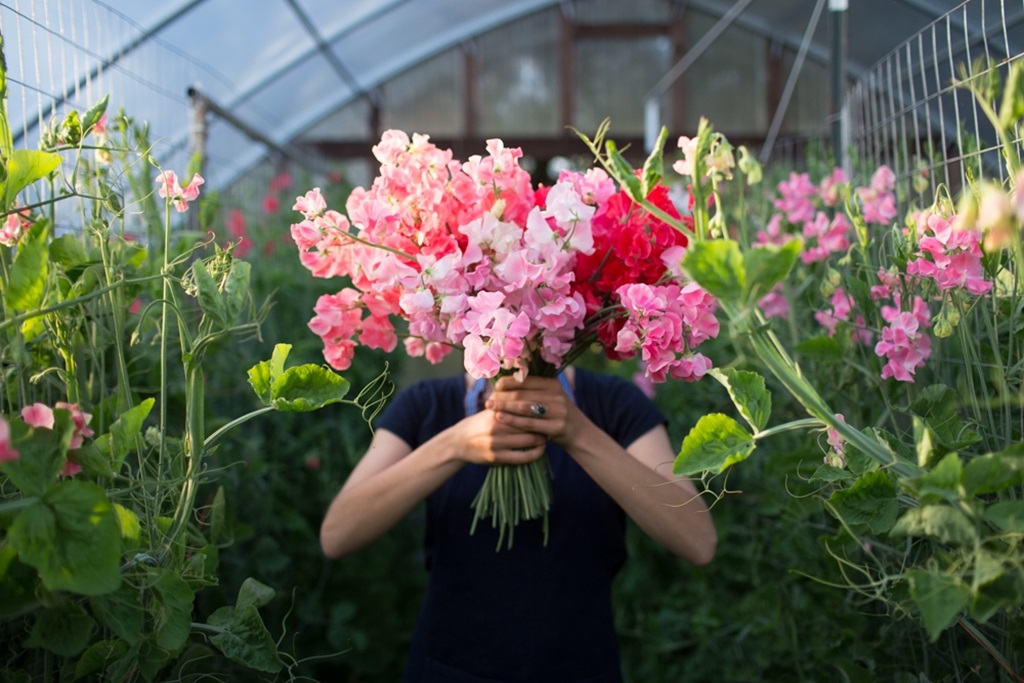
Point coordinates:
[(878, 200), (665, 324), (472, 256), (904, 343), (951, 258), (841, 306)]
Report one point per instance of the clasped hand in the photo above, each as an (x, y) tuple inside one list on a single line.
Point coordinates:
[(519, 418)]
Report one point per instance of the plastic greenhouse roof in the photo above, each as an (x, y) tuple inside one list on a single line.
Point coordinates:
[(280, 66)]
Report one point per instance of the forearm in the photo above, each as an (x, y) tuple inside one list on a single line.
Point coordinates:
[(671, 512), (368, 507)]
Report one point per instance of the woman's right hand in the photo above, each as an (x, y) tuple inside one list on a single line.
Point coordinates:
[(485, 441)]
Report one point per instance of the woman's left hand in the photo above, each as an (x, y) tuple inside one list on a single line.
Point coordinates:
[(536, 404)]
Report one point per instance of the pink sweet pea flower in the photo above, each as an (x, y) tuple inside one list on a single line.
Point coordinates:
[(837, 456), (905, 347), (81, 421), (7, 451), (38, 415), (179, 196)]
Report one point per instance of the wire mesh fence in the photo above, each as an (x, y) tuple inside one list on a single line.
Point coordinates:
[(910, 111)]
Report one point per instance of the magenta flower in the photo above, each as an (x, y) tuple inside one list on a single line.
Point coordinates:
[(179, 196), (7, 451), (81, 421)]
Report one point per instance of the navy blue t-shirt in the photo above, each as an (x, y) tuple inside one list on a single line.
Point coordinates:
[(529, 613)]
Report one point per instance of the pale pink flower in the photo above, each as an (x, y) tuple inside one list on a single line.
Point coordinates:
[(825, 237), (7, 450), (38, 415), (179, 196), (841, 304), (688, 146), (12, 230), (311, 204), (829, 187), (837, 457)]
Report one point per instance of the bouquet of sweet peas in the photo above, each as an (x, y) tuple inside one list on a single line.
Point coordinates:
[(522, 279)]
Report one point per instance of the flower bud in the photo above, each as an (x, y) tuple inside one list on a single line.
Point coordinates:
[(942, 328), (833, 278)]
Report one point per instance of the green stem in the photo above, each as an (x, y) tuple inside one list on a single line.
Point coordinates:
[(210, 440), (805, 423)]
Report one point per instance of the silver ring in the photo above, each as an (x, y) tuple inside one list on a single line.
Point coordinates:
[(538, 410)]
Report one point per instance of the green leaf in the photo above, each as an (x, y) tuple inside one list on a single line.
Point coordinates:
[(831, 474), (623, 171), (99, 656), (994, 472), (717, 266), (172, 610), (1008, 515), (122, 612), (24, 167), (126, 429), (715, 443), (245, 639), (64, 630), (943, 523), (263, 375), (71, 537), (210, 299), (822, 349), (95, 113), (938, 406), (128, 523), (1004, 592), (236, 288), (254, 593), (18, 584), (26, 285), (42, 453), (942, 482), (68, 251), (218, 516), (768, 265), (938, 597), (653, 170), (306, 388), (871, 502), (748, 394)]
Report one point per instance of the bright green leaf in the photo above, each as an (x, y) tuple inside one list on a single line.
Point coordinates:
[(938, 597), (68, 251), (871, 501), (768, 265), (717, 266), (26, 285), (943, 523), (654, 166), (128, 523), (306, 388), (748, 393), (24, 167), (263, 375), (95, 113), (715, 443), (623, 171), (941, 482)]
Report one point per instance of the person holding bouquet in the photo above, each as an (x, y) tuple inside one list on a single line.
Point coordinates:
[(538, 612), (528, 466)]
